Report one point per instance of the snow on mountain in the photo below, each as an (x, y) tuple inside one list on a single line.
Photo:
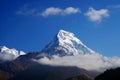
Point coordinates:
[(7, 54), (66, 43), (68, 50)]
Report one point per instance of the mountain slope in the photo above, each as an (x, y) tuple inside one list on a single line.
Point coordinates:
[(24, 68), (46, 72)]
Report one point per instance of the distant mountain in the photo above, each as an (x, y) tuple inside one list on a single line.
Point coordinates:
[(111, 74), (65, 43), (7, 54)]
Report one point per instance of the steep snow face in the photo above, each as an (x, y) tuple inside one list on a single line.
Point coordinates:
[(65, 43), (7, 54)]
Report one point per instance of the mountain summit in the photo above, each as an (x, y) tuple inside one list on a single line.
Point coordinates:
[(66, 43)]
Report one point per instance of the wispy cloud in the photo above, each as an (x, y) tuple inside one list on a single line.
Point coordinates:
[(71, 10), (27, 11), (114, 6), (96, 15), (86, 61), (50, 11), (58, 11)]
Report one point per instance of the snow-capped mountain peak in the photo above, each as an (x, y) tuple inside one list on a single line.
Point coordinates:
[(64, 36), (66, 43), (67, 50), (2, 48), (7, 54)]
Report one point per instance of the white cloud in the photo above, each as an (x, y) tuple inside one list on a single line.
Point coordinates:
[(114, 6), (71, 10), (7, 57), (25, 10), (51, 11), (58, 11), (87, 61), (97, 15)]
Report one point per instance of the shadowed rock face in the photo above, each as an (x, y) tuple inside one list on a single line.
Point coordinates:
[(44, 72), (112, 74), (80, 77), (5, 75)]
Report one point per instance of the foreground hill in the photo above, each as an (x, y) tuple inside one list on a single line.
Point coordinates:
[(112, 74)]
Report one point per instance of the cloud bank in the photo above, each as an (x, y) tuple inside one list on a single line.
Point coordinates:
[(97, 15), (58, 11), (86, 61)]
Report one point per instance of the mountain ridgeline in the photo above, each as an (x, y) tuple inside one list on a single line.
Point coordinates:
[(64, 58)]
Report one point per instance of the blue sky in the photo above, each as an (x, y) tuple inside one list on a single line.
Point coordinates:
[(29, 25)]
